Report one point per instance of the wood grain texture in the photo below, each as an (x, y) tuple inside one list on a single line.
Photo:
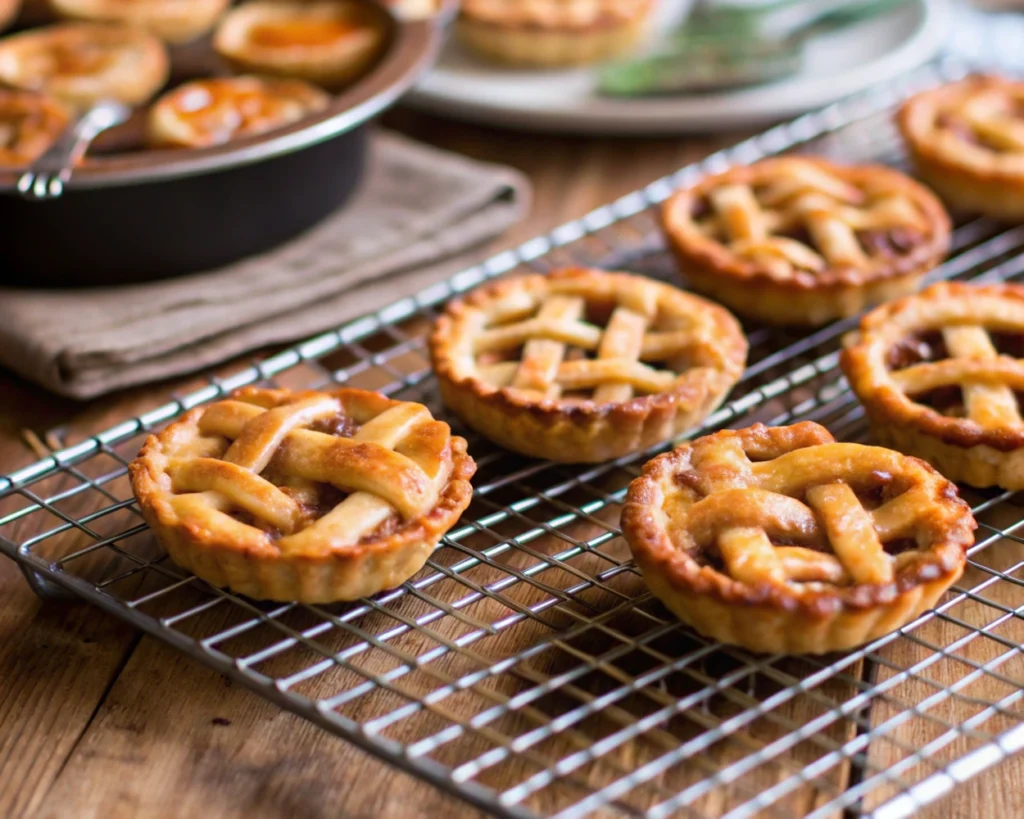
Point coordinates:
[(97, 722)]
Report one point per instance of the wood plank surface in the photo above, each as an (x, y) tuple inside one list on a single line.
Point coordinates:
[(96, 721)]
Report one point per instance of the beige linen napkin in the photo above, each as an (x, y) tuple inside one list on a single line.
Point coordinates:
[(419, 216)]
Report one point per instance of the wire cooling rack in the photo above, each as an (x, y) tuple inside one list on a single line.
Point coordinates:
[(526, 669)]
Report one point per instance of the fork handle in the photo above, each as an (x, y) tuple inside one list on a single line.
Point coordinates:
[(47, 176)]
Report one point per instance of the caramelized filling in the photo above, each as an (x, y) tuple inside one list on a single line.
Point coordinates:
[(221, 109), (344, 426), (951, 122), (1011, 344), (78, 58), (916, 348), (26, 131), (946, 400), (897, 241), (300, 33)]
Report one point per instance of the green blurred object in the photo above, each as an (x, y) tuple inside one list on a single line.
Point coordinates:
[(730, 45)]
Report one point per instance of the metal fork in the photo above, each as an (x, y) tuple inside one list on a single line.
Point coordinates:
[(47, 176)]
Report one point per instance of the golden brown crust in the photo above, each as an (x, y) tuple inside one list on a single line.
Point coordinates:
[(251, 561), (175, 21), (549, 33), (983, 448), (580, 429), (946, 131), (215, 111), (750, 260), (790, 616), (30, 125), (326, 42), (8, 12), (82, 63)]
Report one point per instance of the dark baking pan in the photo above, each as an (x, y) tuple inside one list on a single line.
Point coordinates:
[(143, 215)]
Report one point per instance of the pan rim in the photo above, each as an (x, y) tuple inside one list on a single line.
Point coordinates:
[(413, 48)]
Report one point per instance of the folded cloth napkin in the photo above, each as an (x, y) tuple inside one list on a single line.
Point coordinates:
[(419, 216)]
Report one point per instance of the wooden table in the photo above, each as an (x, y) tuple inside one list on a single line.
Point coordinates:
[(96, 720)]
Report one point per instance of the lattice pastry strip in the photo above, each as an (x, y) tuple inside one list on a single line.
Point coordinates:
[(380, 480), (310, 496), (750, 504), (615, 374), (760, 218), (775, 538), (986, 379), (583, 365)]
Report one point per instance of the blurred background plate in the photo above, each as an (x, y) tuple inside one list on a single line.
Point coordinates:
[(836, 64)]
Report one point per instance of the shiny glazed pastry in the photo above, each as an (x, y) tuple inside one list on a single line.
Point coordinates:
[(211, 112), (306, 496), (176, 21), (551, 32), (8, 12), (584, 365), (327, 42), (81, 63), (966, 140), (940, 375), (781, 540), (29, 125), (803, 241)]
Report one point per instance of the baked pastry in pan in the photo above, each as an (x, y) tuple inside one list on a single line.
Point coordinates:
[(584, 365), (548, 33), (80, 63), (214, 111), (781, 540), (306, 496), (9, 10), (803, 241), (966, 140), (941, 376), (327, 42), (29, 125), (176, 21)]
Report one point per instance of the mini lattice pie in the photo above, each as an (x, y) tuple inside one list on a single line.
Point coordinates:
[(82, 63), (966, 140), (941, 375), (781, 540), (29, 125), (327, 42), (306, 496), (800, 240), (176, 21), (584, 365), (214, 111), (551, 32)]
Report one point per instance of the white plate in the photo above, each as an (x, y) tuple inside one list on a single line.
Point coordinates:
[(837, 64)]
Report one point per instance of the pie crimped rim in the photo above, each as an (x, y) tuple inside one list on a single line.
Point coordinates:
[(981, 448), (248, 495), (970, 173), (758, 268), (725, 490), (616, 404)]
